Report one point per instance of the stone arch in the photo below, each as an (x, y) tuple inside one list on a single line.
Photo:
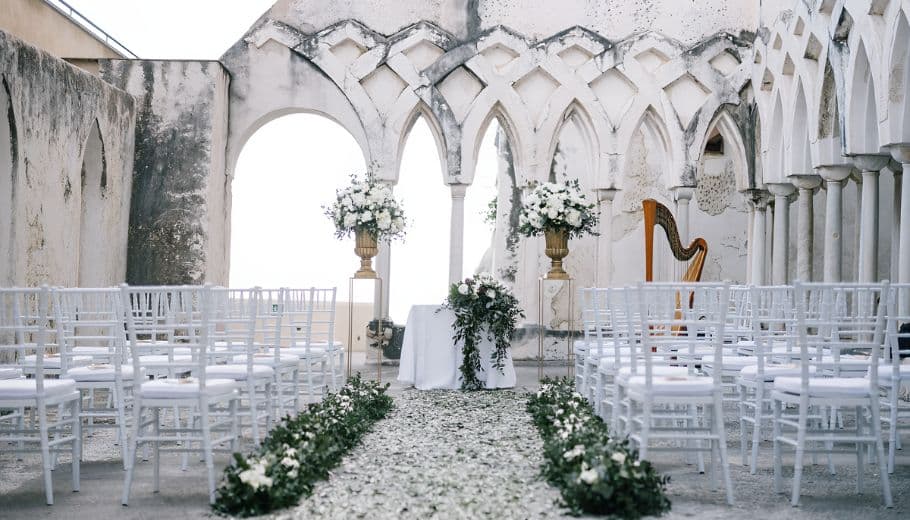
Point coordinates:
[(475, 127), (828, 132), (276, 114), (774, 156), (8, 181), (799, 158), (576, 114), (899, 81), (421, 110), (92, 250), (862, 112), (724, 124), (653, 127)]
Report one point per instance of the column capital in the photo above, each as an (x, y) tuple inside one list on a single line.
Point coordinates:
[(758, 197), (900, 152), (870, 162), (459, 190), (683, 192), (606, 193), (780, 189), (808, 181), (834, 172), (896, 167)]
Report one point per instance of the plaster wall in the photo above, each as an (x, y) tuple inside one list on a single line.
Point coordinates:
[(179, 214), (54, 107), (47, 28)]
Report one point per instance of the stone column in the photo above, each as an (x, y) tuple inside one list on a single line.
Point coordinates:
[(604, 263), (456, 233), (780, 259), (682, 195), (384, 271), (806, 184), (901, 153), (760, 205), (749, 237), (834, 177), (868, 234), (857, 179), (897, 175)]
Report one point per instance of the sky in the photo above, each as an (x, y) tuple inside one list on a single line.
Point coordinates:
[(292, 166)]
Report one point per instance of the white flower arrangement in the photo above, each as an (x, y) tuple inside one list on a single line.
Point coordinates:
[(367, 205), (557, 206)]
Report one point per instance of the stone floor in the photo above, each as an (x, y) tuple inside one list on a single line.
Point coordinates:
[(440, 455)]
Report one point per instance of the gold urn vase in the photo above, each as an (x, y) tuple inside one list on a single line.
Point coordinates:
[(366, 248), (557, 249)]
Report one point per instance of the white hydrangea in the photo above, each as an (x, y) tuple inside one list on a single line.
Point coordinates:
[(255, 476), (575, 452), (463, 289), (618, 457), (588, 475)]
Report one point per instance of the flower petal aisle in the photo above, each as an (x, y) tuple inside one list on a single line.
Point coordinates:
[(456, 454)]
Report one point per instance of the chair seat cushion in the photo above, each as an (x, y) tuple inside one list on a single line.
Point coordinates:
[(886, 375), (609, 362), (304, 353), (53, 361), (268, 359), (91, 351), (773, 371), (825, 386), (99, 373), (674, 385), (731, 362), (185, 388), (238, 372), (28, 388), (162, 359), (660, 370), (10, 373)]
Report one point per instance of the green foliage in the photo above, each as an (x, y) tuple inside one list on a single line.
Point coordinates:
[(489, 215), (368, 205), (301, 450), (482, 304), (595, 474)]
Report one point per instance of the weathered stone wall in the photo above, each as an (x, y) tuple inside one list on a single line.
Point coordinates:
[(179, 214), (51, 109)]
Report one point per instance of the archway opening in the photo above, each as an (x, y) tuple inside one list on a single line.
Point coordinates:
[(482, 201), (420, 264), (93, 252), (7, 187), (286, 172)]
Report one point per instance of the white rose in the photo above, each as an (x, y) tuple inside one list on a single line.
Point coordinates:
[(357, 198), (366, 216), (552, 212), (619, 457), (491, 294), (588, 476), (464, 289), (350, 220), (384, 220), (289, 462)]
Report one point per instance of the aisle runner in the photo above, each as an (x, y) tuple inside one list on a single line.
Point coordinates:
[(443, 453)]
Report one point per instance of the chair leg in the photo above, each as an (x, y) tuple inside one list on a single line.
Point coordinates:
[(133, 441), (207, 448), (46, 462), (776, 455), (742, 425), (802, 425), (77, 441), (156, 449), (893, 434), (860, 465), (718, 413), (880, 450), (120, 401), (756, 428)]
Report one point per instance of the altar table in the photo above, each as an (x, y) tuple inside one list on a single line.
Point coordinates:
[(430, 360)]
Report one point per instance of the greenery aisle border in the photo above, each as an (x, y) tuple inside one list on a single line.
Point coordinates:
[(594, 473), (301, 450)]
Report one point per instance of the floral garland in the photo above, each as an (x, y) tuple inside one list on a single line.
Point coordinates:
[(595, 474), (555, 206), (482, 303), (301, 450), (367, 205)]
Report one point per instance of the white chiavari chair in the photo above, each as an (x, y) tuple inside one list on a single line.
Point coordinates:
[(322, 334), (611, 343), (91, 320), (286, 366), (24, 328), (233, 318), (688, 407), (297, 328), (894, 371), (849, 318), (211, 402)]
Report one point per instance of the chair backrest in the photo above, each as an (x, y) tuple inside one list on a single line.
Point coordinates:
[(739, 317), (897, 329), (773, 321), (838, 320), (269, 320), (25, 316), (232, 320), (90, 318), (322, 300), (667, 325), (297, 319), (162, 319)]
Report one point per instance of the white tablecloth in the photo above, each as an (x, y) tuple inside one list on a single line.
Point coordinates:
[(429, 359)]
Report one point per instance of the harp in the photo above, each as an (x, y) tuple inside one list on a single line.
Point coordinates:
[(658, 214)]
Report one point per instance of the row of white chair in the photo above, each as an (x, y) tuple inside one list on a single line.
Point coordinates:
[(659, 361), (215, 360)]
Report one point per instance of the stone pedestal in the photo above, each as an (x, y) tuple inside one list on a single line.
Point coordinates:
[(456, 232)]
